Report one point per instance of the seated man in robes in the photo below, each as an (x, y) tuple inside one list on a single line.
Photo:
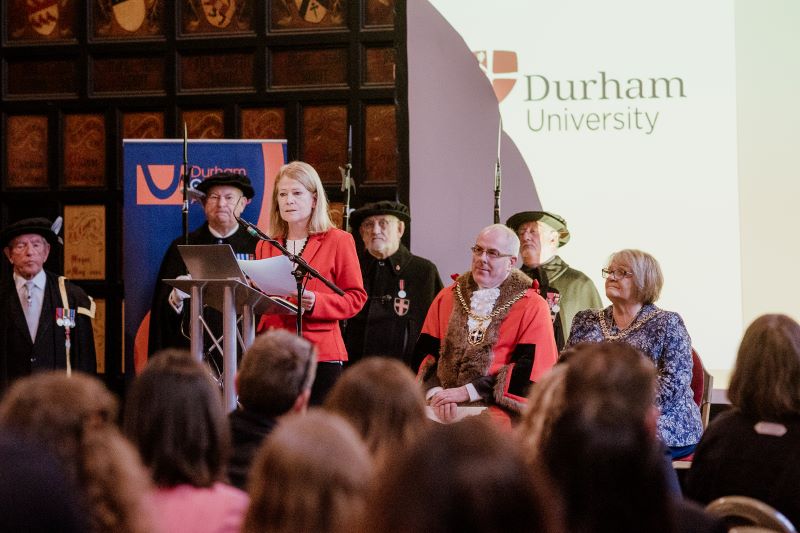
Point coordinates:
[(487, 337)]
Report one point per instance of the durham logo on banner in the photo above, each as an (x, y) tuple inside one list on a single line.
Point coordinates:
[(153, 209)]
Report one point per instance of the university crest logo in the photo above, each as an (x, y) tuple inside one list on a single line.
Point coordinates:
[(500, 66)]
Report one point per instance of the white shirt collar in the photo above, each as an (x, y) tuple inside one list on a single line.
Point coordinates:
[(219, 235), (38, 280)]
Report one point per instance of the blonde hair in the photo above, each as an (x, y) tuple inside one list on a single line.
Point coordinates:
[(647, 276), (305, 174), (766, 378)]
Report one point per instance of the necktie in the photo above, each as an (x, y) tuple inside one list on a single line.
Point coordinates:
[(31, 314)]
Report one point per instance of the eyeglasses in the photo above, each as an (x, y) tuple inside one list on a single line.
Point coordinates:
[(229, 198), (617, 273), (491, 253)]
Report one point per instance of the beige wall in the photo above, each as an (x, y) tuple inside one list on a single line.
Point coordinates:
[(768, 109)]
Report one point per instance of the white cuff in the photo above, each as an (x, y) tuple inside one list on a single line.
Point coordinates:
[(473, 393), (431, 392), (175, 301)]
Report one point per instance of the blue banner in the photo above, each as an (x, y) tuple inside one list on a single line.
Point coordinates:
[(152, 214)]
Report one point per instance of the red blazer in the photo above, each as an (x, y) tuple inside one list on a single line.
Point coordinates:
[(333, 254)]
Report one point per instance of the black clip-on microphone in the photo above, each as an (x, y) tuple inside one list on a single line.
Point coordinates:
[(302, 268)]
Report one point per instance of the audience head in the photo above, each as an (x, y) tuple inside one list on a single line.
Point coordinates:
[(174, 416), (35, 493), (74, 416), (311, 474), (465, 476), (545, 403), (635, 270), (602, 453), (766, 378), (276, 374), (383, 401)]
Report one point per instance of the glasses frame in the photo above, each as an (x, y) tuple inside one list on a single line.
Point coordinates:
[(491, 253), (614, 274)]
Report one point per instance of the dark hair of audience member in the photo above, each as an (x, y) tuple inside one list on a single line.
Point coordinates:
[(35, 494), (174, 416), (383, 401), (465, 476), (275, 370), (766, 377), (545, 404), (74, 416), (311, 474), (602, 454)]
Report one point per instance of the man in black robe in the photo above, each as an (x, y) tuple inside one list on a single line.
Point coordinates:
[(400, 286), (40, 310), (226, 194)]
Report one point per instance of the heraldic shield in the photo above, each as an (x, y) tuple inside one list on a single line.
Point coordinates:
[(401, 306), (311, 10), (43, 15), (130, 14), (219, 13)]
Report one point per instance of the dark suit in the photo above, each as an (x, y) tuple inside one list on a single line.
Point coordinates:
[(20, 356)]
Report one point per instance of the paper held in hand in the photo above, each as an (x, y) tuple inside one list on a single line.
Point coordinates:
[(272, 275)]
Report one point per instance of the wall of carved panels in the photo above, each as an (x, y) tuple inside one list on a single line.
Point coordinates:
[(79, 76)]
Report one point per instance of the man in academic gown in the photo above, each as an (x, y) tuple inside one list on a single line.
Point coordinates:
[(40, 310), (226, 194)]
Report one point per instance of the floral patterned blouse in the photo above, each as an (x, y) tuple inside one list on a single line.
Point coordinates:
[(662, 336)]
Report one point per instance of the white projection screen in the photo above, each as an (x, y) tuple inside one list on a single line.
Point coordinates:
[(621, 116)]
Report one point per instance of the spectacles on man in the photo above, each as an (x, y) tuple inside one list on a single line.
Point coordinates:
[(616, 273), (491, 253), (229, 198)]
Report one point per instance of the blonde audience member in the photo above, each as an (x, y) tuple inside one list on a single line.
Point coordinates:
[(311, 474)]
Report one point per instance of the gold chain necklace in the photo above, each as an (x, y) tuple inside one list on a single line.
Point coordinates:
[(636, 324), (478, 333)]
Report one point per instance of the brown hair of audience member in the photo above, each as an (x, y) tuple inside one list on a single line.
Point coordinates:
[(276, 370), (466, 476), (311, 474), (765, 382), (602, 454), (545, 403), (381, 399), (174, 416), (74, 416)]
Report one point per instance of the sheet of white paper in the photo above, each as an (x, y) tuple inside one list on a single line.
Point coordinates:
[(272, 275)]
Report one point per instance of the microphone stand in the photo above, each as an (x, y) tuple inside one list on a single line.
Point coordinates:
[(347, 181), (301, 270), (498, 176), (185, 210)]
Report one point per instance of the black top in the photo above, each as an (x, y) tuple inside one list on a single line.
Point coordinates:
[(400, 290)]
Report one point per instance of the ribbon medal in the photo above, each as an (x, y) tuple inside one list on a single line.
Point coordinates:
[(402, 292), (65, 317)]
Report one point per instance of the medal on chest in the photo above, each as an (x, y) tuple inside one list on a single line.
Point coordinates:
[(401, 303), (478, 332), (65, 317)]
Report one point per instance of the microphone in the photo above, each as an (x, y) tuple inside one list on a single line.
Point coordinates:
[(253, 230)]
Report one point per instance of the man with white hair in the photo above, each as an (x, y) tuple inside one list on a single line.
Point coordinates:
[(566, 289), (488, 336)]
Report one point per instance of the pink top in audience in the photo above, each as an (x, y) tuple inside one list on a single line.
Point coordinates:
[(215, 509)]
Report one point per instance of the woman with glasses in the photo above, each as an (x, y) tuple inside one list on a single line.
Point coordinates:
[(633, 284), (299, 220)]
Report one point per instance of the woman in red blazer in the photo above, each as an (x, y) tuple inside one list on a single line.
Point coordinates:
[(299, 220)]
